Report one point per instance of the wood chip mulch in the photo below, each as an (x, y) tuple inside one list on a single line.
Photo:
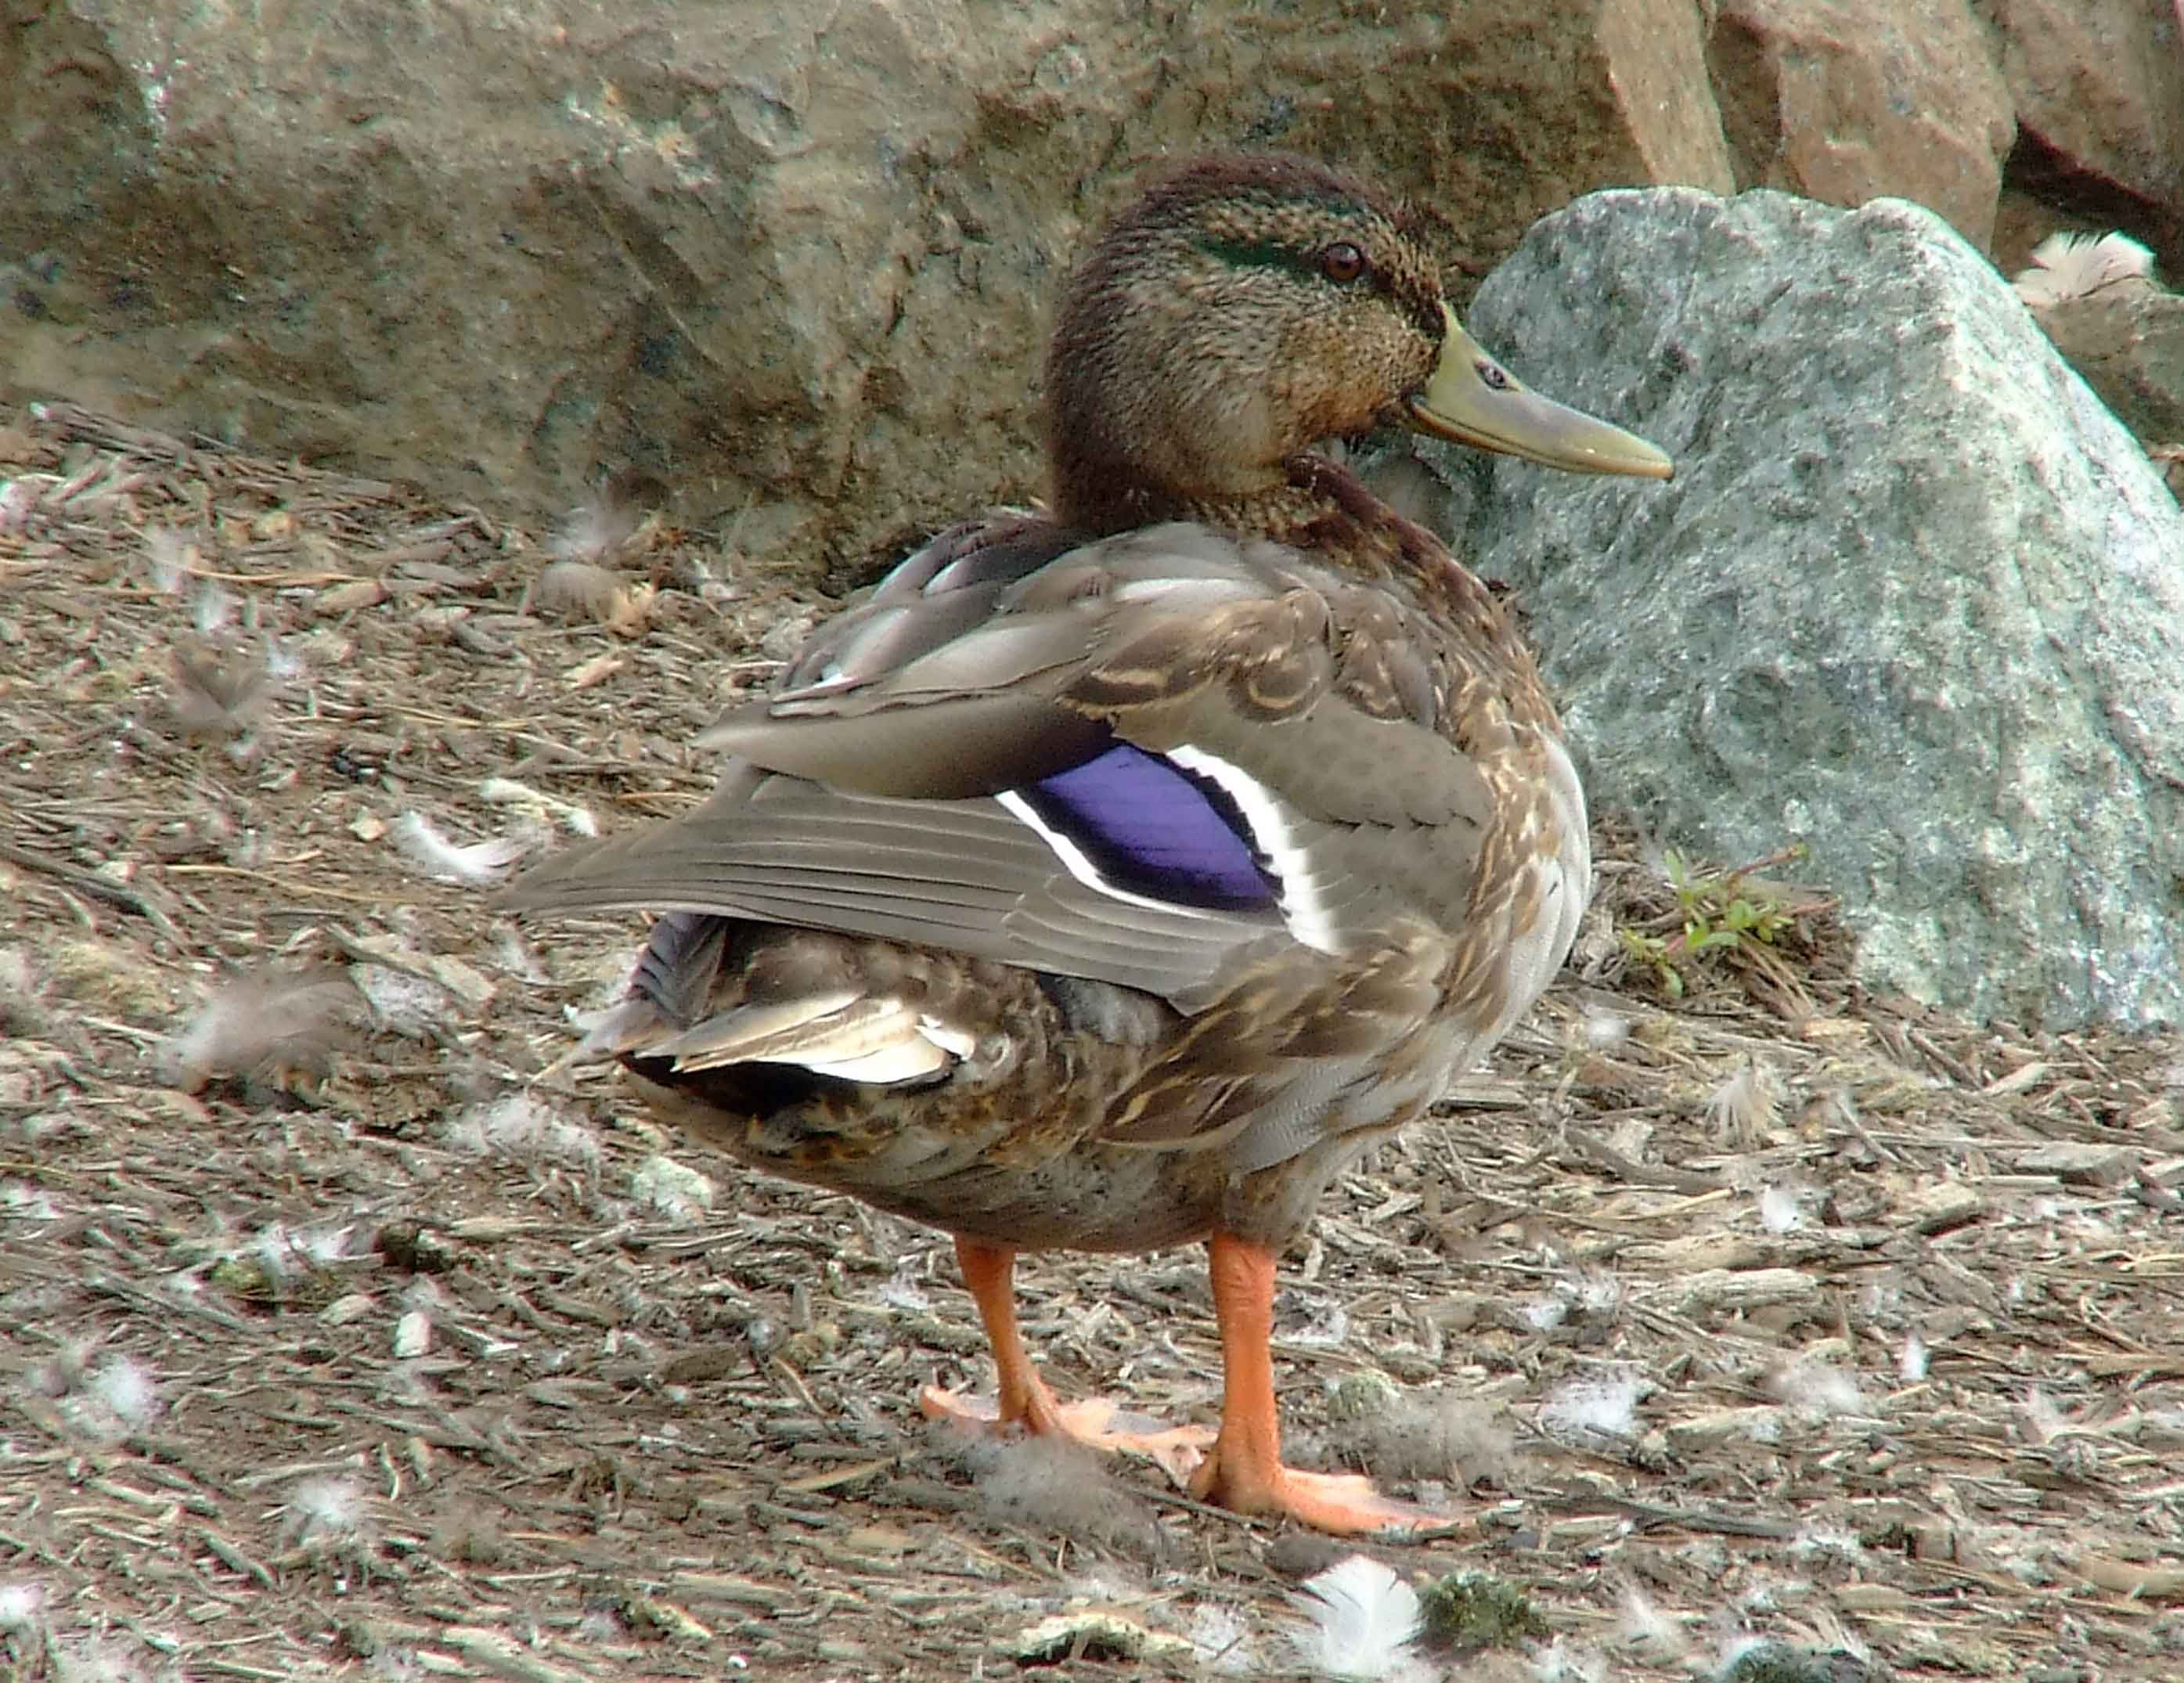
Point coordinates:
[(345, 1333)]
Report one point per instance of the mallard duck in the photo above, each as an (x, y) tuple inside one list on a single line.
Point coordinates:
[(1114, 875)]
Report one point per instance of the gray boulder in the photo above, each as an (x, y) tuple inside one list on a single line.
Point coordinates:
[(1914, 599)]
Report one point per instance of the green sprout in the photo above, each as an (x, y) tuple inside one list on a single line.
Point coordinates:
[(1725, 913)]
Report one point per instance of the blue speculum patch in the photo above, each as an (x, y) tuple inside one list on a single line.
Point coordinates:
[(1152, 828)]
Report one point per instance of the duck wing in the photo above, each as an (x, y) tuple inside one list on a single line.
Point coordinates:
[(1151, 759)]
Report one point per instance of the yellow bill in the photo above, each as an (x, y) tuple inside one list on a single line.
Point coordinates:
[(1473, 399)]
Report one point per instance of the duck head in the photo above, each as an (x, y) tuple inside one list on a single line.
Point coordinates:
[(1250, 304)]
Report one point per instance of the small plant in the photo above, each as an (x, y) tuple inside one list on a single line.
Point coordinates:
[(1652, 951), (1781, 1663), (1729, 915), (1467, 1611), (1717, 913), (265, 1280)]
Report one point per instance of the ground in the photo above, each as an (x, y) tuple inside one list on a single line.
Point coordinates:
[(344, 1333)]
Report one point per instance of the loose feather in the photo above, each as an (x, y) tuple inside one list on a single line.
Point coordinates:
[(287, 1025), (480, 864), (2067, 265), (1362, 1617)]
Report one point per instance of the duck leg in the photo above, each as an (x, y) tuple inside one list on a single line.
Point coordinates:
[(1244, 1469), (1024, 1403)]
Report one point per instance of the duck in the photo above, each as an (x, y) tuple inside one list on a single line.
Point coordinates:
[(1123, 867)]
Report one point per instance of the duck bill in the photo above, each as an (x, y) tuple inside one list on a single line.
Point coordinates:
[(1474, 400)]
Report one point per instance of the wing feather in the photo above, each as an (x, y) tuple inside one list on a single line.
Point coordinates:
[(861, 796)]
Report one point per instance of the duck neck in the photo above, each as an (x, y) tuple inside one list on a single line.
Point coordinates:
[(1313, 505), (1101, 497), (1310, 504), (1285, 502)]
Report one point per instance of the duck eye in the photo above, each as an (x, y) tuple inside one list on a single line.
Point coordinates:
[(1342, 263)]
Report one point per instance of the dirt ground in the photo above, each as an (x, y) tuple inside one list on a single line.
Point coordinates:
[(1766, 1332)]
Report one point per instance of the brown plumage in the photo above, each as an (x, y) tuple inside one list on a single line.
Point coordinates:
[(1110, 880)]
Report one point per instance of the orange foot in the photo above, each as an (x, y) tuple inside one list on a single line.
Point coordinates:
[(1097, 1422), (1342, 1503)]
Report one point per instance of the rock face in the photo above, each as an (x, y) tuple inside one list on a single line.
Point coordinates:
[(2128, 342), (1914, 599), (2099, 90), (1847, 100), (792, 261)]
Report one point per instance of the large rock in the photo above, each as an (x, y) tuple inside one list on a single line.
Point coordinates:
[(2099, 90), (1848, 100), (791, 260), (2127, 340), (1914, 599)]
